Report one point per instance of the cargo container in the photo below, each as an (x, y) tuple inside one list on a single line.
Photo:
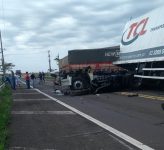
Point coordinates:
[(100, 58), (142, 47), (90, 56)]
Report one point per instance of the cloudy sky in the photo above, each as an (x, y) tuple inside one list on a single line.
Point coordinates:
[(30, 28)]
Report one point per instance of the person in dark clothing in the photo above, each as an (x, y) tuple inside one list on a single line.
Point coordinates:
[(33, 79), (13, 80), (43, 76), (7, 80), (27, 78), (40, 77)]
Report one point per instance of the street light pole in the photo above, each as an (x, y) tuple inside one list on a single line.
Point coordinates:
[(49, 60), (3, 62)]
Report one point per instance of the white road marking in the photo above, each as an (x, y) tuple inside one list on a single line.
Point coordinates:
[(121, 135), (29, 148), (25, 93), (39, 99), (42, 113), (121, 142)]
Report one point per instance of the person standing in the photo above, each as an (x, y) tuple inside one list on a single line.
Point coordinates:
[(27, 78), (17, 80), (13, 80), (40, 78), (8, 80), (43, 77), (33, 79)]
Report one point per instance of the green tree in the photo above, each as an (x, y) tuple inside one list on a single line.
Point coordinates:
[(7, 66), (57, 59)]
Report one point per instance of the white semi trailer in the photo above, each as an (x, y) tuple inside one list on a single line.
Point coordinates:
[(142, 47)]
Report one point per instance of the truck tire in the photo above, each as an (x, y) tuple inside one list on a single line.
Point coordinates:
[(137, 83), (79, 84)]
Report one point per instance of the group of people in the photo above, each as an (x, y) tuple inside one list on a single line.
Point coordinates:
[(14, 80), (32, 78)]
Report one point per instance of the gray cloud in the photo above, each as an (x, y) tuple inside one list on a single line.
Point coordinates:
[(33, 27)]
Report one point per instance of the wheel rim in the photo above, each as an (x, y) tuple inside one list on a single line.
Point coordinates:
[(78, 85)]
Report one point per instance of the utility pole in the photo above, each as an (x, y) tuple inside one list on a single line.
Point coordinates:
[(49, 60), (3, 62)]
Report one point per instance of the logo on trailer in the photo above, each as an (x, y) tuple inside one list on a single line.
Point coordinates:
[(135, 30)]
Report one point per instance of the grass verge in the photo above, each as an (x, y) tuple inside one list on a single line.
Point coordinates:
[(5, 109)]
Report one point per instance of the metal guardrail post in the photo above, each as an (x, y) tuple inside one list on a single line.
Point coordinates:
[(1, 86), (3, 62)]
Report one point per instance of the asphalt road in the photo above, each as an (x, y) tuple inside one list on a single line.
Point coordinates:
[(139, 117), (40, 123)]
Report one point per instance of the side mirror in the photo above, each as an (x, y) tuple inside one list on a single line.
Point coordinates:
[(162, 105)]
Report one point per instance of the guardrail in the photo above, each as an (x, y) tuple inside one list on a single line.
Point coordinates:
[(2, 85)]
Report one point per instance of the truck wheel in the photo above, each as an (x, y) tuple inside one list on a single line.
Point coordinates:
[(79, 84), (137, 83)]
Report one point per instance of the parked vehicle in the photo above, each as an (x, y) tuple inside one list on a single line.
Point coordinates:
[(18, 73)]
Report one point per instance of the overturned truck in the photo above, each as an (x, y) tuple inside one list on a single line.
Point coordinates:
[(92, 70)]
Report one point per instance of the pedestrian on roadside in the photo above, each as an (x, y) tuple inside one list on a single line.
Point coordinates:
[(27, 78), (33, 79), (7, 80), (13, 80), (43, 76), (17, 80), (40, 78)]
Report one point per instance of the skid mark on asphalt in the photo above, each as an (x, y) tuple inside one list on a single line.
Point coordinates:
[(42, 113), (81, 134)]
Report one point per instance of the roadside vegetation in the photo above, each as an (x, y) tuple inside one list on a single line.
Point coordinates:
[(5, 109), (0, 80)]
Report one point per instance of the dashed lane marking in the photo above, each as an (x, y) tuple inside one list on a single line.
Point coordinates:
[(29, 148), (26, 93), (39, 99), (119, 134), (42, 113)]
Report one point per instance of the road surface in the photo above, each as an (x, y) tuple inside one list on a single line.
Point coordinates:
[(39, 122)]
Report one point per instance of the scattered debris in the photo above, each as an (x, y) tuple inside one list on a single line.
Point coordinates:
[(58, 92)]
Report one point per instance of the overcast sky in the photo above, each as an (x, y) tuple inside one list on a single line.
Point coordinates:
[(30, 28)]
